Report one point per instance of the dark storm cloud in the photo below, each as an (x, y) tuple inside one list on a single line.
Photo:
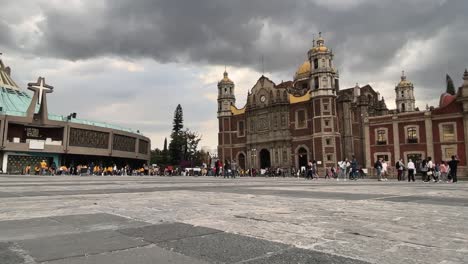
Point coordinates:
[(230, 32), (6, 39)]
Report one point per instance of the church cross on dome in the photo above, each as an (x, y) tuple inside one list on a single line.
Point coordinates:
[(40, 89)]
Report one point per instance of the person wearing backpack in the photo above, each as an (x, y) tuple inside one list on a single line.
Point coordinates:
[(378, 168), (400, 167)]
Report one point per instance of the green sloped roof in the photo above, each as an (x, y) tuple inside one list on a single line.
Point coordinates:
[(15, 102)]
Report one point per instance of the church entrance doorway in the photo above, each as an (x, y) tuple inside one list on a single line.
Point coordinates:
[(241, 160), (302, 157), (265, 161)]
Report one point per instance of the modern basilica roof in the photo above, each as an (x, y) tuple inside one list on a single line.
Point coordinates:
[(14, 101)]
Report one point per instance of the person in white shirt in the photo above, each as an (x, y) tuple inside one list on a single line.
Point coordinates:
[(430, 169), (411, 169), (384, 170), (343, 169)]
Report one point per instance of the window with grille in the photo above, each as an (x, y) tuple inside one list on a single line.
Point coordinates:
[(412, 135), (301, 119), (241, 129), (381, 137), (448, 132)]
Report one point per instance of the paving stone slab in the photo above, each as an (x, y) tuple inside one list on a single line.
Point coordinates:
[(13, 230), (98, 221), (167, 231), (303, 256), (7, 256), (32, 228), (8, 195), (147, 255), (64, 246), (223, 247)]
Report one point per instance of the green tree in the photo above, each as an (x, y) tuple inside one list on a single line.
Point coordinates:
[(165, 154), (156, 156), (177, 137), (450, 86)]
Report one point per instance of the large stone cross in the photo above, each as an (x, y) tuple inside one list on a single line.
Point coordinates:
[(40, 88)]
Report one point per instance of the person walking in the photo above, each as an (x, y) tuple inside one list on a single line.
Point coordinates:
[(343, 168), (453, 165), (443, 171), (378, 168), (430, 170), (314, 170), (411, 169), (354, 168), (437, 172), (384, 170), (400, 167), (309, 170), (424, 170)]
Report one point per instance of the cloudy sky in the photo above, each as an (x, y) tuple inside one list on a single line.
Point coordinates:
[(130, 62)]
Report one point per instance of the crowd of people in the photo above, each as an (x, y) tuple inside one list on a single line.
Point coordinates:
[(43, 168), (443, 171)]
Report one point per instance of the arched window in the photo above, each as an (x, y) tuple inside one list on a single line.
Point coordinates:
[(412, 135), (301, 121), (403, 108), (316, 64)]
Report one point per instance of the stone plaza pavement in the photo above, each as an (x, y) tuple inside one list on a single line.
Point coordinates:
[(65, 219)]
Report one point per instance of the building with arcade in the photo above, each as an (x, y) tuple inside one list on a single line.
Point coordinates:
[(30, 134)]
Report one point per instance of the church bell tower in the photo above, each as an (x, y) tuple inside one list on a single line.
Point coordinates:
[(405, 95), (323, 89), (226, 97)]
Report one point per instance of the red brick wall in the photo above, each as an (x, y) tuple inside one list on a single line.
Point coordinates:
[(235, 139), (292, 119), (374, 124), (460, 141)]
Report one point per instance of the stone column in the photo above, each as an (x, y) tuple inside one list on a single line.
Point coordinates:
[(396, 139), (429, 134), (465, 132), (367, 152)]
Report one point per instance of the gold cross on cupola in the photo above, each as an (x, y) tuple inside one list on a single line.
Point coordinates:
[(40, 89)]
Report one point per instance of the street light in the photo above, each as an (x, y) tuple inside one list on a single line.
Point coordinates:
[(253, 154), (70, 116)]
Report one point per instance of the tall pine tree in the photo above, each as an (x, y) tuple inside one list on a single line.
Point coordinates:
[(450, 86), (176, 147), (165, 153)]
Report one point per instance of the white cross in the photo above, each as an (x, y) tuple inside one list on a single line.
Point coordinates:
[(41, 89)]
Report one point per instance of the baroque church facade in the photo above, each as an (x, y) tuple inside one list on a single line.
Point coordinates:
[(310, 118)]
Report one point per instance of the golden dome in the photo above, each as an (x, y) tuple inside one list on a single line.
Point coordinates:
[(321, 49), (226, 79), (403, 81), (304, 68)]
